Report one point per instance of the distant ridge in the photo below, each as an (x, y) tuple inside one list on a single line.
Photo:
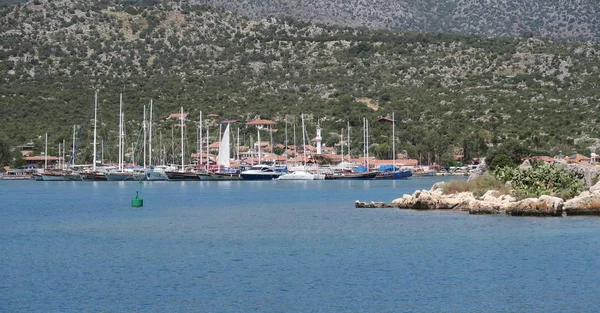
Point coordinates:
[(556, 19)]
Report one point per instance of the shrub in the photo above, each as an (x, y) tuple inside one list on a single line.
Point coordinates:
[(541, 179), (501, 161), (478, 186)]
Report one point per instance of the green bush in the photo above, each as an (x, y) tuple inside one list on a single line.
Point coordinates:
[(478, 186), (501, 161), (542, 179)]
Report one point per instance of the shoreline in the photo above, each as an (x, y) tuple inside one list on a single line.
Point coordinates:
[(586, 203)]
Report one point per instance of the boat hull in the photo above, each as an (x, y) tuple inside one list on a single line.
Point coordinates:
[(357, 176), (119, 176), (50, 177), (95, 176), (394, 175), (226, 176), (182, 175), (268, 176), (156, 176)]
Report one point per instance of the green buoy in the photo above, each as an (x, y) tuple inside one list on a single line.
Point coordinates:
[(137, 202)]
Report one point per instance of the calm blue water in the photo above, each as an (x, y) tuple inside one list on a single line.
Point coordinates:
[(288, 246)]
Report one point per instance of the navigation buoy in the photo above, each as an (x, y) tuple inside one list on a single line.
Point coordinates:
[(137, 202)]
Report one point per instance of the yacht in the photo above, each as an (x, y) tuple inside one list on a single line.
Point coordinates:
[(262, 172), (301, 175)]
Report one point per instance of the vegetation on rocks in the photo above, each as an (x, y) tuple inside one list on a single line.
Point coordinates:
[(478, 186), (541, 179)]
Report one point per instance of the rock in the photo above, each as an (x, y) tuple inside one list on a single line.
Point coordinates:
[(525, 165), (437, 186), (478, 171), (542, 206), (595, 189), (371, 205), (458, 202), (507, 198), (587, 174), (359, 204), (490, 195), (486, 207), (583, 205)]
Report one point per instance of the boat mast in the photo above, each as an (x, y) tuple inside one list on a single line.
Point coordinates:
[(367, 143), (46, 153), (348, 139), (286, 133), (120, 132), (199, 144), (393, 143), (295, 146), (63, 154), (150, 139), (73, 157), (364, 140), (342, 143), (172, 156), (303, 143), (238, 145), (207, 148), (258, 142), (144, 141), (182, 153), (95, 118)]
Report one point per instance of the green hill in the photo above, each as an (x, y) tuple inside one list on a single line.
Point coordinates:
[(447, 91)]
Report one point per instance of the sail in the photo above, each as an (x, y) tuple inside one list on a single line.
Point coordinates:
[(223, 158)]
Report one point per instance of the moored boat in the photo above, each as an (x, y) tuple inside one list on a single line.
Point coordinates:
[(93, 176), (262, 172), (17, 174), (182, 175), (352, 175), (301, 175), (54, 175), (393, 172)]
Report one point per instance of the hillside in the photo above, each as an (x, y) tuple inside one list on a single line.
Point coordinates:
[(447, 91), (556, 19)]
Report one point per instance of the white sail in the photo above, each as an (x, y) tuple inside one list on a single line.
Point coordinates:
[(223, 158)]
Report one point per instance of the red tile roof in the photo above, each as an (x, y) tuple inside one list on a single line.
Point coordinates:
[(261, 122), (178, 115), (41, 158)]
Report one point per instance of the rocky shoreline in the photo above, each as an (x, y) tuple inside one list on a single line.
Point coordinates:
[(587, 203)]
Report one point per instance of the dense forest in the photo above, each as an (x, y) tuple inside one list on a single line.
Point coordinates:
[(448, 92)]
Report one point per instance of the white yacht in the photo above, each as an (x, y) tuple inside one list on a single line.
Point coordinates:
[(262, 172)]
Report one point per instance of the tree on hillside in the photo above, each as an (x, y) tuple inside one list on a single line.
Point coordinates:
[(5, 155)]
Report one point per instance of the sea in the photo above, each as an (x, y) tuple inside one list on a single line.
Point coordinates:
[(281, 246)]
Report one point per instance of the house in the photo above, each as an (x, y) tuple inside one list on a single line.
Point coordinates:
[(543, 158), (578, 158), (26, 149), (39, 161)]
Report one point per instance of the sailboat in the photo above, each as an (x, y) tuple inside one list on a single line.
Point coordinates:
[(94, 173), (51, 174), (393, 172), (225, 172), (363, 171), (154, 173), (182, 174), (303, 174), (123, 174)]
